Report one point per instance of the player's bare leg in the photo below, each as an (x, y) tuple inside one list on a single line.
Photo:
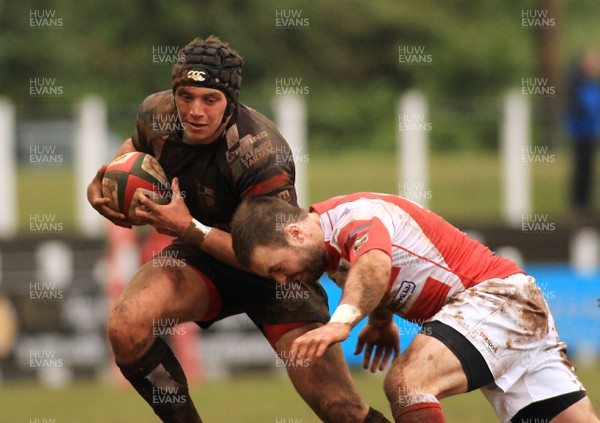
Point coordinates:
[(326, 385), (425, 373), (177, 294), (582, 411)]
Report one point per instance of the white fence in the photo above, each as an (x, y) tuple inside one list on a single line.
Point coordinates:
[(91, 148)]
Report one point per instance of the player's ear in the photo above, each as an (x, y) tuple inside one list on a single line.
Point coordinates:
[(293, 234)]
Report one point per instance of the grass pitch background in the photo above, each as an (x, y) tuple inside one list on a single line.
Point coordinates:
[(247, 398)]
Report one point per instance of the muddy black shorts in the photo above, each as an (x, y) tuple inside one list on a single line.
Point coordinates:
[(263, 300)]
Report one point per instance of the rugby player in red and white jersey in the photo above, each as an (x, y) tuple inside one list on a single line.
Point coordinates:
[(215, 152), (485, 323)]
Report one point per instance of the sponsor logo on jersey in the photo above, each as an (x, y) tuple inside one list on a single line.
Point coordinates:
[(359, 228), (359, 242), (245, 146), (195, 75), (404, 292), (489, 344)]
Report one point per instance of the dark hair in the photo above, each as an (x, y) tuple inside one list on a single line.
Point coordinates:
[(261, 221)]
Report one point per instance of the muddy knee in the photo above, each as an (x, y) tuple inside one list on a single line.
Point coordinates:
[(130, 335)]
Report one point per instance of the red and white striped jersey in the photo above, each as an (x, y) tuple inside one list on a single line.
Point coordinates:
[(431, 259)]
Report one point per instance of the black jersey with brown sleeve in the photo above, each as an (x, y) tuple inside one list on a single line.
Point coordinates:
[(250, 158)]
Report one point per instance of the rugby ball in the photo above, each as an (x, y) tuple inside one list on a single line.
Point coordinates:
[(128, 175)]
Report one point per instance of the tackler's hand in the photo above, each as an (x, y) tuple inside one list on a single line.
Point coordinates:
[(315, 342), (386, 340)]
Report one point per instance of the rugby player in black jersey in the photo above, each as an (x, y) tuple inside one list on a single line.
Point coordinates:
[(215, 152)]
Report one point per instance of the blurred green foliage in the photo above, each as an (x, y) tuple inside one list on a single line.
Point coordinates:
[(347, 55)]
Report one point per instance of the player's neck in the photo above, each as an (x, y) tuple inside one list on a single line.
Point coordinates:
[(316, 229)]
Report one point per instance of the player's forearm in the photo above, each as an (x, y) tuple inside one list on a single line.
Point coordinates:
[(218, 245), (212, 241), (365, 287)]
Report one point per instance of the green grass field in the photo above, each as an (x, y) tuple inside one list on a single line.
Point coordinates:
[(465, 186), (247, 398)]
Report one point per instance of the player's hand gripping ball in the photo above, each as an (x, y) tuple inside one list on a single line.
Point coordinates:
[(128, 175)]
